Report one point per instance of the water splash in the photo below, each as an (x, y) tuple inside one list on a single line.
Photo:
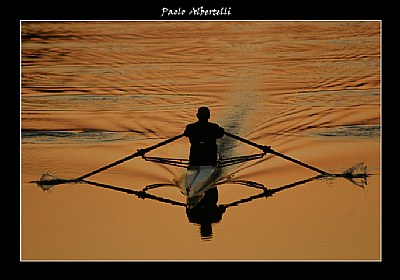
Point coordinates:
[(357, 174), (357, 171), (47, 181)]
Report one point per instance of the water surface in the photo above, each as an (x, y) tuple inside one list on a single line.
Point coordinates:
[(94, 92)]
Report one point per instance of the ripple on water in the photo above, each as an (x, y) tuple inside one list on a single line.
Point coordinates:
[(353, 131), (85, 136)]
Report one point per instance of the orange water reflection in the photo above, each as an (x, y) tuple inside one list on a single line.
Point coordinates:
[(95, 92)]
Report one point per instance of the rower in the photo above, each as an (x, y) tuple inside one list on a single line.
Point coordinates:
[(203, 135)]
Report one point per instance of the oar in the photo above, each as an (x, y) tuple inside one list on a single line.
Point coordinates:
[(267, 149), (47, 183), (140, 152)]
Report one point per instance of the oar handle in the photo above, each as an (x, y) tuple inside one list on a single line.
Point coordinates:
[(267, 149)]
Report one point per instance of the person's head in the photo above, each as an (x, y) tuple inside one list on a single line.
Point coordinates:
[(203, 113)]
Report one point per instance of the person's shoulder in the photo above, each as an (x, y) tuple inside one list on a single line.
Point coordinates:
[(214, 125), (190, 126)]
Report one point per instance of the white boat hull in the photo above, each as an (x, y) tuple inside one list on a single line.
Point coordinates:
[(196, 181)]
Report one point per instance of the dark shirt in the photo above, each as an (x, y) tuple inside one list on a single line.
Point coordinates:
[(203, 136)]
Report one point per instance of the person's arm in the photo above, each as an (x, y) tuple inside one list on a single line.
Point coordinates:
[(187, 131), (220, 132)]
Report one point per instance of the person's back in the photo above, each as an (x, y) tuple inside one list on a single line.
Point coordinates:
[(203, 135)]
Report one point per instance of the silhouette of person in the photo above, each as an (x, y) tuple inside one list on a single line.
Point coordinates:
[(206, 213), (203, 135)]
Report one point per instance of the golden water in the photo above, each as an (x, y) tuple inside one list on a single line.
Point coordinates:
[(95, 92)]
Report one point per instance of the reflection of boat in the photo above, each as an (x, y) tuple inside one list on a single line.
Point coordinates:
[(206, 211)]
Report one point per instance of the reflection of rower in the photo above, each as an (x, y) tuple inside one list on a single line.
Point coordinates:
[(206, 212)]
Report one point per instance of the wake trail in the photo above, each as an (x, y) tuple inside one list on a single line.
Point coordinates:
[(234, 120)]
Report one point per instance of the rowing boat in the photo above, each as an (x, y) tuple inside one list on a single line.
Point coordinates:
[(197, 179)]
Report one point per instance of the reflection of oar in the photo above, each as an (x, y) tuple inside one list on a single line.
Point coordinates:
[(267, 149), (269, 192), (46, 183), (139, 194)]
